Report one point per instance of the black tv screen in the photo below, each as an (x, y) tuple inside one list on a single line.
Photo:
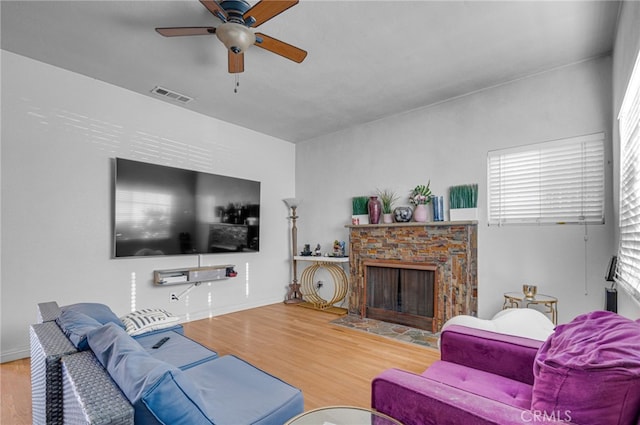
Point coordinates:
[(161, 210)]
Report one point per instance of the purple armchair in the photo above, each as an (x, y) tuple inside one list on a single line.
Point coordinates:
[(587, 372)]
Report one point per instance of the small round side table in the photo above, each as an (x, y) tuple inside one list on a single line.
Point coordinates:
[(518, 300)]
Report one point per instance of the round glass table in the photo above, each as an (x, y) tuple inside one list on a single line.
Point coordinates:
[(342, 415), (518, 300)]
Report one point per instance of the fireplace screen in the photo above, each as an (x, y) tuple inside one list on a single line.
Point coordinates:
[(401, 295)]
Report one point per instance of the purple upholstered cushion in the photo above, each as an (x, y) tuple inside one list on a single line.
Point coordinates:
[(506, 355), (416, 400), (589, 369), (484, 384)]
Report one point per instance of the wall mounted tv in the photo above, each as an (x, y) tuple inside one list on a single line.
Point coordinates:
[(160, 210)]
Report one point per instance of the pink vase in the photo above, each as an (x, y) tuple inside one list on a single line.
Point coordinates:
[(375, 208), (420, 213)]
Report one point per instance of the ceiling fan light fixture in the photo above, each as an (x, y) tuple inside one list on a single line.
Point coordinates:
[(236, 32), (235, 37)]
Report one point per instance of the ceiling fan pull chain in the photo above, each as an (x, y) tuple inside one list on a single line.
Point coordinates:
[(235, 89)]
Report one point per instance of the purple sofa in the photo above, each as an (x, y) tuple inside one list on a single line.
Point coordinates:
[(587, 372)]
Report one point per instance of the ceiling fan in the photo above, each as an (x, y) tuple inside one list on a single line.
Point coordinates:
[(236, 31)]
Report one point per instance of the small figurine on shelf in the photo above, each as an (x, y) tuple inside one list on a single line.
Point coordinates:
[(317, 251), (337, 249), (343, 251), (306, 252)]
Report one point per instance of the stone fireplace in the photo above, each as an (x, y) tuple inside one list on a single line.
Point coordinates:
[(417, 274)]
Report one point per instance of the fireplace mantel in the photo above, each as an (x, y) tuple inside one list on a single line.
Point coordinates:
[(416, 224), (452, 246)]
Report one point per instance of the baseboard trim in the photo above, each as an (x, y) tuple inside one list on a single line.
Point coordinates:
[(10, 356)]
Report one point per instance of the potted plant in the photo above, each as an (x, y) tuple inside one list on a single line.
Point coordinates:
[(463, 202), (388, 199), (359, 210), (420, 197)]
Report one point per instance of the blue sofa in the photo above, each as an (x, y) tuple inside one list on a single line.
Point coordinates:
[(87, 369)]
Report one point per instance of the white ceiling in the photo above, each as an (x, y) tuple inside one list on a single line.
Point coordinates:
[(367, 59)]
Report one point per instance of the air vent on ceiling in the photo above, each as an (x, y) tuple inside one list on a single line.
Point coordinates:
[(175, 96)]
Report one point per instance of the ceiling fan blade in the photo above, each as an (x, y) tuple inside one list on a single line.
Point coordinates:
[(213, 7), (280, 48), (267, 9), (236, 62), (180, 31)]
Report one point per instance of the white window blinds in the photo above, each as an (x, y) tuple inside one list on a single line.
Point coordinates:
[(628, 273), (552, 182)]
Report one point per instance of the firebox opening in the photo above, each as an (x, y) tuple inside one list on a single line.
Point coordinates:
[(401, 293)]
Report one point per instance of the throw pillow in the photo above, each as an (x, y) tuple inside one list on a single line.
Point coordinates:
[(588, 371), (100, 312), (76, 326), (148, 319)]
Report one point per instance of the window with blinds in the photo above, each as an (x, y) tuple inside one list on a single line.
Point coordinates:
[(628, 272), (561, 181)]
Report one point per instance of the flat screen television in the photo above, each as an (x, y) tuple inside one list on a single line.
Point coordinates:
[(161, 210)]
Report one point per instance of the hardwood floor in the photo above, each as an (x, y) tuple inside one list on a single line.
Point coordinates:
[(330, 364), (15, 393)]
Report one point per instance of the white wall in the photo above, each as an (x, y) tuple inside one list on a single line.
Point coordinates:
[(447, 144), (60, 132), (627, 48)]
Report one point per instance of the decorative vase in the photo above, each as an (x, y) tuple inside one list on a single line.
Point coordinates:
[(420, 213), (402, 214), (375, 208), (529, 291), (387, 218), (438, 208)]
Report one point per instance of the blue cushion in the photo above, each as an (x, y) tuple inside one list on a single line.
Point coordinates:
[(155, 388), (172, 400), (176, 328), (239, 393), (99, 312), (179, 350), (76, 326)]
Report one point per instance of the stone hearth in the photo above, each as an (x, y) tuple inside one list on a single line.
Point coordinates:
[(449, 246)]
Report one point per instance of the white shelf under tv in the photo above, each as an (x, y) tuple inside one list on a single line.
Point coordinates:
[(193, 274)]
